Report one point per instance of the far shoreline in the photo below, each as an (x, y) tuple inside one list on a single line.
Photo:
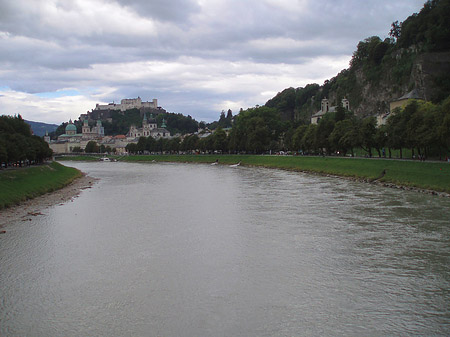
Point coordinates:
[(431, 178)]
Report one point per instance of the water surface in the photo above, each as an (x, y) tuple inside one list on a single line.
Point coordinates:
[(200, 250)]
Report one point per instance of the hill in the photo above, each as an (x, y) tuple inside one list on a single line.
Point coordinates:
[(416, 56), (120, 122), (39, 128)]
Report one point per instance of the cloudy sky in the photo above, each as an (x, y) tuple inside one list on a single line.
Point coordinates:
[(58, 58)]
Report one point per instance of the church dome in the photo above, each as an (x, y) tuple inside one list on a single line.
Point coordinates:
[(71, 128)]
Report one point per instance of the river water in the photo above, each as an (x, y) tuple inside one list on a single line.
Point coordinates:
[(198, 250)]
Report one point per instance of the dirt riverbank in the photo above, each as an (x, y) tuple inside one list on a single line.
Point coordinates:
[(27, 209)]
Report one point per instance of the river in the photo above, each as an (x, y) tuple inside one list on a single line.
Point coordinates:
[(199, 250)]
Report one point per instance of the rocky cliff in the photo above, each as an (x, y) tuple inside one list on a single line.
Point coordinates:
[(415, 57)]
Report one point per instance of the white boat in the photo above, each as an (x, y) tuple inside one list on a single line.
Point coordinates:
[(105, 159), (235, 165)]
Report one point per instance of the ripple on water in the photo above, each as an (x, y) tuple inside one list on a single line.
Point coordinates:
[(171, 250)]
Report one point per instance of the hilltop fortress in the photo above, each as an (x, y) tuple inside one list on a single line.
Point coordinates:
[(104, 111), (70, 140), (127, 104)]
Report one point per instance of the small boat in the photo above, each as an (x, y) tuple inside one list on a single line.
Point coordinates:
[(236, 165), (105, 159), (216, 162)]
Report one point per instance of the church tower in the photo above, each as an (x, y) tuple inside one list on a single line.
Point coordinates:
[(325, 106), (100, 129), (47, 137), (86, 129)]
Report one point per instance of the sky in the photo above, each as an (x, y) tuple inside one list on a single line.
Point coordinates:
[(58, 58)]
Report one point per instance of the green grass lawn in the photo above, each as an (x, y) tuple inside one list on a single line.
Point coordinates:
[(426, 175), (26, 183)]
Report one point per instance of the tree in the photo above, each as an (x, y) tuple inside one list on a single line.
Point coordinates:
[(229, 117), (297, 139), (206, 144), (258, 135), (443, 128), (189, 143), (324, 129), (309, 140), (174, 144), (381, 140), (288, 138), (396, 30), (91, 147), (222, 120), (340, 112), (220, 140), (367, 130), (77, 149), (150, 144), (395, 128), (256, 130), (18, 145), (3, 153), (142, 144), (344, 138), (131, 148)]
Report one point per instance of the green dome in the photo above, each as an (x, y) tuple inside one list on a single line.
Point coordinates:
[(71, 127)]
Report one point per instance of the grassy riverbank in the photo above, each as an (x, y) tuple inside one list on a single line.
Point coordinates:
[(425, 175), (26, 183)]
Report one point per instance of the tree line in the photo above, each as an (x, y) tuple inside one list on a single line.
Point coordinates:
[(422, 127), (217, 141), (18, 146)]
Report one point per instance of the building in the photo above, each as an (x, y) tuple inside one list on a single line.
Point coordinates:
[(128, 103), (70, 133), (47, 137), (149, 128), (325, 108), (97, 131), (398, 103), (70, 139), (403, 101)]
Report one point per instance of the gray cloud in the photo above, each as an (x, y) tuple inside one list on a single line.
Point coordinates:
[(196, 55), (177, 11)]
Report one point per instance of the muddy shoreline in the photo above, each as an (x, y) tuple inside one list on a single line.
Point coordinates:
[(26, 210)]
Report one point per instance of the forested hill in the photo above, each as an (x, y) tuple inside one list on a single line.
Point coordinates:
[(415, 56), (39, 128), (120, 123)]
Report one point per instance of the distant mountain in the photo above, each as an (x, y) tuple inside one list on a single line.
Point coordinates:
[(39, 128)]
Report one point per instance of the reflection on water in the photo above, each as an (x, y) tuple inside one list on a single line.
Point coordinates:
[(200, 250)]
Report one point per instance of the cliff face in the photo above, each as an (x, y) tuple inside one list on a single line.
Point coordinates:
[(370, 87), (415, 57), (431, 75), (428, 75)]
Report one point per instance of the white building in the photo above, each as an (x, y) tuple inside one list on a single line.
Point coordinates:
[(325, 107), (149, 128), (97, 132), (128, 103)]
